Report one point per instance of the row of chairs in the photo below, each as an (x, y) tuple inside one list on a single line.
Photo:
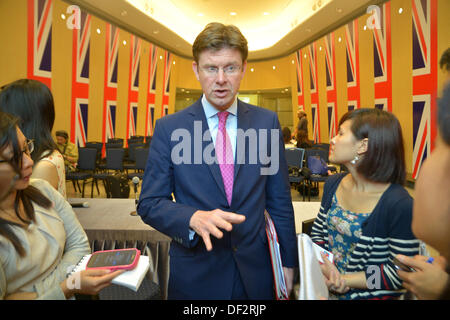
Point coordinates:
[(89, 168)]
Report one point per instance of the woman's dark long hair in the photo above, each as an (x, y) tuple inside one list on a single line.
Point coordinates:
[(8, 137), (32, 102)]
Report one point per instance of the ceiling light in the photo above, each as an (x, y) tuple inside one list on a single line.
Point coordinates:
[(233, 13), (123, 13), (160, 57), (98, 31), (340, 39), (266, 13), (273, 67), (174, 62), (338, 10), (252, 69), (200, 14), (365, 28), (400, 10), (63, 16), (124, 42), (155, 31), (293, 61)]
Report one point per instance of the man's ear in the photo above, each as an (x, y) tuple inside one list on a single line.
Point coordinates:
[(195, 68)]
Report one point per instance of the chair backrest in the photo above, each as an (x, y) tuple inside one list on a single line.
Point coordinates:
[(320, 152), (114, 158), (87, 158), (95, 145), (294, 157), (114, 144), (131, 150), (141, 155)]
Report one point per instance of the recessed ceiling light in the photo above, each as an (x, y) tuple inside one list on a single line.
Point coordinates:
[(273, 67), (365, 28), (233, 13), (155, 31), (400, 10), (340, 39), (339, 10), (293, 61), (63, 16), (98, 31), (124, 42), (252, 69), (200, 14), (160, 57), (123, 13), (266, 13), (174, 62)]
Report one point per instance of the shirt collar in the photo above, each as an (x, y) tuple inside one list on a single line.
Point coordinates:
[(211, 111)]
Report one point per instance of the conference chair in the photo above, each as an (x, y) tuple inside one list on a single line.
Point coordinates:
[(314, 179), (85, 169), (294, 159), (114, 164), (141, 156)]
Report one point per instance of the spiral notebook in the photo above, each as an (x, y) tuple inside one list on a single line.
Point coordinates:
[(131, 279)]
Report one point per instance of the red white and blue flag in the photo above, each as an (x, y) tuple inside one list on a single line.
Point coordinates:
[(352, 56), (330, 70), (168, 57), (314, 91), (424, 69), (110, 81), (133, 84), (80, 80), (300, 95), (382, 57), (151, 89), (39, 40)]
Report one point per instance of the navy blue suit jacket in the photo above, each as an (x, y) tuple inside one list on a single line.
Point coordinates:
[(194, 272)]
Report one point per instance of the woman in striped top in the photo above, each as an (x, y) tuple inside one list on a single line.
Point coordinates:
[(365, 215)]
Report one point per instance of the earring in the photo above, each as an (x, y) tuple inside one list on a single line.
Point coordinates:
[(355, 159)]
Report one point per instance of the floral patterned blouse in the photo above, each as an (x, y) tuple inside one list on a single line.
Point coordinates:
[(58, 161), (344, 231)]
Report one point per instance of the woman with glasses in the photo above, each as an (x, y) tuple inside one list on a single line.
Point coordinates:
[(32, 102), (41, 239)]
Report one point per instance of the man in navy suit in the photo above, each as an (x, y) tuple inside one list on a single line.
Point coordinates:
[(223, 161)]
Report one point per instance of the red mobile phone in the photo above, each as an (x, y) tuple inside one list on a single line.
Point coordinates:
[(119, 259)]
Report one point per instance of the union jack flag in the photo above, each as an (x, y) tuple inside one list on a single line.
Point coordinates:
[(330, 70), (80, 77), (110, 79), (301, 98), (424, 69), (382, 56), (314, 91), (81, 116), (111, 119), (133, 79), (352, 56), (39, 38), (151, 90), (133, 119), (315, 118), (168, 57)]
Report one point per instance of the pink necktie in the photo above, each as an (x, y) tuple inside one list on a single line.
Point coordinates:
[(224, 154)]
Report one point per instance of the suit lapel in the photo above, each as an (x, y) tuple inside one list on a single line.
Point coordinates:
[(243, 124), (199, 115)]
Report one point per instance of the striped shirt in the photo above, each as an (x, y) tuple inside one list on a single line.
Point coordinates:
[(385, 233)]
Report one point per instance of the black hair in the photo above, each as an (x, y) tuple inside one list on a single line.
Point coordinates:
[(444, 63), (8, 137), (32, 102), (443, 117), (384, 160)]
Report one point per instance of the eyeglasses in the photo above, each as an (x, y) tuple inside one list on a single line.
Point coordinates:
[(28, 149), (213, 71)]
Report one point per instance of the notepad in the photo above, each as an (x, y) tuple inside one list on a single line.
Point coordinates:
[(131, 279)]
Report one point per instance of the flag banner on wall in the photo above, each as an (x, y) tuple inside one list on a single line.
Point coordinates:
[(111, 119), (133, 84), (298, 61), (81, 114), (151, 90), (382, 58), (315, 118), (352, 56), (330, 70), (80, 77), (314, 91), (424, 70), (168, 57), (110, 81), (39, 40)]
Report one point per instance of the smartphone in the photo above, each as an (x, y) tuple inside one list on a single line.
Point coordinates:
[(119, 259), (401, 266)]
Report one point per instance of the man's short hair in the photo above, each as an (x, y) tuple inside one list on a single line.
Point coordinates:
[(444, 63), (62, 133), (217, 36)]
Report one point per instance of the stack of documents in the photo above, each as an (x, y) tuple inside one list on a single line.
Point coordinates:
[(275, 256)]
